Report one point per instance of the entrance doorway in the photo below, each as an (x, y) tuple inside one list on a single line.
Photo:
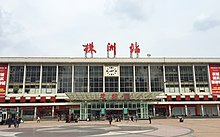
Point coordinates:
[(116, 115)]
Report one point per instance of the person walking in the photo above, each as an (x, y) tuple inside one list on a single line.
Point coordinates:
[(9, 121), (149, 120), (110, 120), (38, 119)]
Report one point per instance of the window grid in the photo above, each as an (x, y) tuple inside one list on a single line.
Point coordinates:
[(64, 79), (81, 78), (172, 82), (96, 78), (126, 79), (201, 74), (186, 76), (157, 84), (141, 78)]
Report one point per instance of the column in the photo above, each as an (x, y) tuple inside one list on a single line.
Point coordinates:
[(149, 80), (194, 79), (134, 82), (52, 111), (72, 78), (164, 79), (154, 110), (21, 115), (24, 78), (179, 79), (103, 78), (119, 79), (88, 80), (170, 111), (57, 78), (17, 111), (186, 110), (35, 112), (41, 72), (202, 110), (209, 80), (217, 109)]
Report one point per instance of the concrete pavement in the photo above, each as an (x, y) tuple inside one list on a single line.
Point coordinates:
[(158, 128)]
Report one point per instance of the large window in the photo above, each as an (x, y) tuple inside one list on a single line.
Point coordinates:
[(202, 84), (32, 79), (126, 79), (111, 84), (64, 79), (81, 78), (156, 76), (141, 78), (48, 79), (172, 82), (16, 77), (96, 78), (186, 76)]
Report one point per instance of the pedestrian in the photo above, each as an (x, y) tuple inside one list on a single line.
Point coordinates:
[(9, 121), (15, 122), (149, 120), (110, 120), (132, 118), (18, 121), (38, 119)]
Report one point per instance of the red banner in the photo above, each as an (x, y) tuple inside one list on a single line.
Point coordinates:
[(3, 78), (215, 78), (33, 99), (12, 99)]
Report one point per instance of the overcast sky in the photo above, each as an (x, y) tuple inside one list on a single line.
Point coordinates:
[(162, 28)]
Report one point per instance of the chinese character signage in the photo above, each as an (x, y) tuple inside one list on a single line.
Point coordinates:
[(215, 78), (3, 78), (89, 48), (134, 48), (111, 47)]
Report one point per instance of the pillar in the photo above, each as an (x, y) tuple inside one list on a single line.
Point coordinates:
[(17, 111), (52, 112), (202, 110), (217, 109), (35, 112), (186, 110), (170, 111), (154, 110)]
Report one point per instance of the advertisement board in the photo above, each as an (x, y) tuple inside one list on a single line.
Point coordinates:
[(3, 78), (214, 70)]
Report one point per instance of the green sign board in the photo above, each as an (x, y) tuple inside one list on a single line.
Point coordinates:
[(103, 111), (125, 110)]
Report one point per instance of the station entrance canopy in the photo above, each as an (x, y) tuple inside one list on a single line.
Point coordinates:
[(113, 96)]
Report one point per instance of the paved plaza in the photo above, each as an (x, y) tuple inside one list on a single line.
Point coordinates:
[(142, 128)]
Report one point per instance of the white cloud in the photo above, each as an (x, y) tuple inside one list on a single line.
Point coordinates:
[(206, 22)]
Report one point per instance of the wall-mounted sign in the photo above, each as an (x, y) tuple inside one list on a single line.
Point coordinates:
[(111, 71), (3, 78), (214, 70)]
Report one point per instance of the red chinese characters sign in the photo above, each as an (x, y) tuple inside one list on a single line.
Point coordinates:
[(89, 48), (134, 48), (214, 70), (111, 47), (114, 96), (3, 78)]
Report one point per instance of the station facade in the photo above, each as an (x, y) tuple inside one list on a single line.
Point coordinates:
[(96, 87)]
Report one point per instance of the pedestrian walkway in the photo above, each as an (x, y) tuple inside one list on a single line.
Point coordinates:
[(159, 127)]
